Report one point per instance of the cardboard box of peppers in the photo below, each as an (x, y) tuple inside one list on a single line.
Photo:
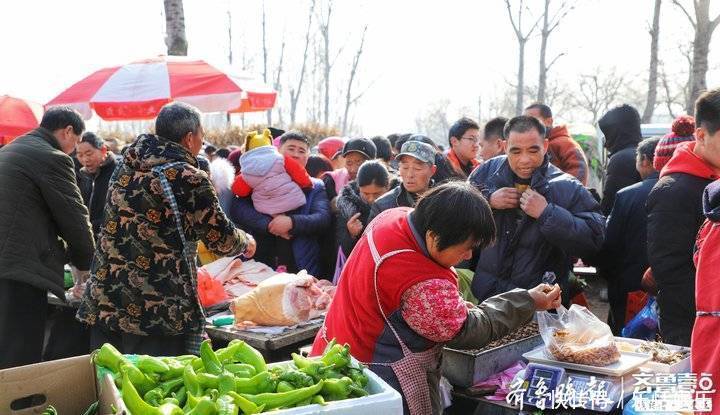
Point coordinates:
[(231, 380)]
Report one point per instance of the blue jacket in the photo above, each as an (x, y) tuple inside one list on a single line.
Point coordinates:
[(525, 248), (623, 258), (309, 223)]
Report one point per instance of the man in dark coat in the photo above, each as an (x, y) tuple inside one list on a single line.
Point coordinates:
[(623, 258), (675, 214), (43, 222), (417, 167), (94, 177), (621, 128), (544, 217), (293, 239)]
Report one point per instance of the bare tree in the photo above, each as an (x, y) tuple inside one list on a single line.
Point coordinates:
[(265, 59), (349, 99), (598, 91), (276, 86), (175, 39), (434, 121), (653, 76), (704, 28), (325, 32), (549, 25), (522, 39), (295, 92)]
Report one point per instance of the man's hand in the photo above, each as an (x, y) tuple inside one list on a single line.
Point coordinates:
[(505, 198), (354, 226), (251, 247), (280, 225), (546, 296), (533, 203)]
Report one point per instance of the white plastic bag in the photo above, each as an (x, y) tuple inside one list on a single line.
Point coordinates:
[(577, 336)]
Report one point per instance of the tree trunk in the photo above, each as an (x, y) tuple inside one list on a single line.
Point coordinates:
[(349, 100), (701, 49), (704, 28), (295, 94), (175, 39), (265, 61), (542, 81), (653, 76), (520, 77)]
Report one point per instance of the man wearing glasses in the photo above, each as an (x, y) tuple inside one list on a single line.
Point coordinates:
[(464, 140)]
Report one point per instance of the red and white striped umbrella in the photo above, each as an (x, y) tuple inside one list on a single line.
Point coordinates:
[(138, 90), (17, 117)]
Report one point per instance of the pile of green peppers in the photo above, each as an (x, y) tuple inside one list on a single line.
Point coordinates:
[(231, 381)]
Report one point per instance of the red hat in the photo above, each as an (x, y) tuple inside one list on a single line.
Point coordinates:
[(682, 130), (331, 147)]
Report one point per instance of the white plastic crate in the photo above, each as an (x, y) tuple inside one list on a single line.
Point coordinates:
[(382, 399)]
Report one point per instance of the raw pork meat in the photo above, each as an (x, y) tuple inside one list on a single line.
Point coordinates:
[(284, 300)]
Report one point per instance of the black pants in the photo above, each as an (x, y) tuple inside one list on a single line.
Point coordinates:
[(23, 313), (134, 344), (68, 337)]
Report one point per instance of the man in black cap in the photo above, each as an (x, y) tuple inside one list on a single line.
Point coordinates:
[(355, 152), (416, 163)]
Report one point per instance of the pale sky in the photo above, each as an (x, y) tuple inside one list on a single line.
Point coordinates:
[(416, 52)]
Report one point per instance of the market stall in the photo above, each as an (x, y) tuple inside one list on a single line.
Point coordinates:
[(546, 367)]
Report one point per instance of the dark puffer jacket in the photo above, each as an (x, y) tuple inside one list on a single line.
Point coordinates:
[(675, 214), (94, 189), (349, 203), (140, 281), (621, 127), (310, 222), (570, 226), (40, 203)]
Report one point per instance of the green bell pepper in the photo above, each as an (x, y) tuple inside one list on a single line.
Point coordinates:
[(248, 407), (226, 405), (209, 359), (244, 353), (283, 399), (109, 357), (241, 370), (205, 406), (260, 383), (151, 364), (137, 405), (192, 384), (337, 355)]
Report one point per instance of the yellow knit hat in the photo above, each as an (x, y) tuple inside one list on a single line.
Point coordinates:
[(254, 140)]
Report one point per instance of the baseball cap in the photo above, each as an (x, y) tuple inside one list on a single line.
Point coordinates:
[(363, 146), (419, 150)]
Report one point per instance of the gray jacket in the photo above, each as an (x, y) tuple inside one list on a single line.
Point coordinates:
[(40, 204)]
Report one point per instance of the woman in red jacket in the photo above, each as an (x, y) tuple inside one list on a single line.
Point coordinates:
[(397, 302), (705, 347)]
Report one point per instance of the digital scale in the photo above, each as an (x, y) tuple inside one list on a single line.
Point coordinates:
[(547, 387)]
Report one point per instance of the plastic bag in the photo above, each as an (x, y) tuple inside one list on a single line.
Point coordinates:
[(210, 290), (645, 323), (577, 336)]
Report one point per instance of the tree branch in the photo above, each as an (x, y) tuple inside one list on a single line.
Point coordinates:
[(678, 4), (512, 21), (552, 62)]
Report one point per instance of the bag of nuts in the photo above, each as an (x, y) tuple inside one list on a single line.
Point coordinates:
[(577, 336)]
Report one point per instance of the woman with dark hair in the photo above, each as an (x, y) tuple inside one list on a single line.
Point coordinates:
[(373, 181), (397, 302), (318, 164)]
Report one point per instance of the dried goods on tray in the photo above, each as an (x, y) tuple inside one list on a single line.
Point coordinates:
[(578, 336), (528, 330)]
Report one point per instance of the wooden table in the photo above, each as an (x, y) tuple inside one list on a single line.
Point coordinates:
[(272, 346)]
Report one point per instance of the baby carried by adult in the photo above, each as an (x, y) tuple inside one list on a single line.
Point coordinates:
[(274, 181)]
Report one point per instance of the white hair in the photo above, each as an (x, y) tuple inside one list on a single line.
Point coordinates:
[(222, 174)]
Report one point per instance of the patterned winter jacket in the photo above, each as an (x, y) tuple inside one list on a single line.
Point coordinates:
[(140, 281)]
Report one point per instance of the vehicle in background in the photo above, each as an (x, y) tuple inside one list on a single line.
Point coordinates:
[(654, 130)]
